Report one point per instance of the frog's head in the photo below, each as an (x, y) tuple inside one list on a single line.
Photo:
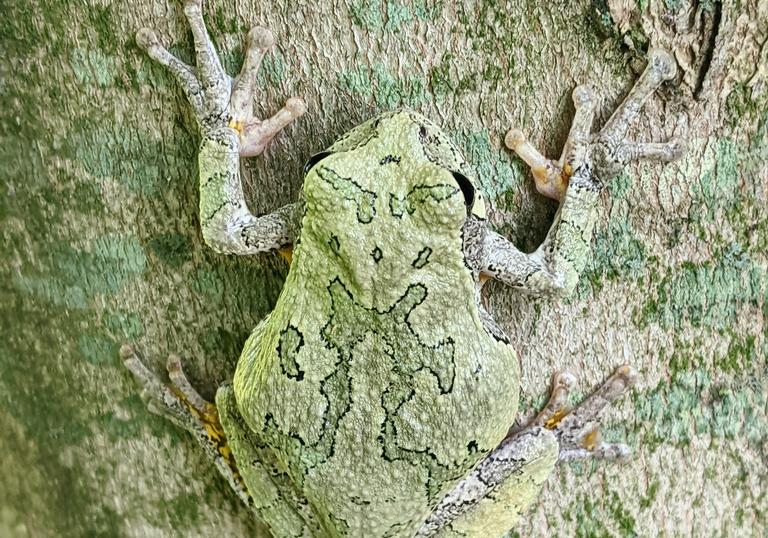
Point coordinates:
[(405, 159), (388, 202)]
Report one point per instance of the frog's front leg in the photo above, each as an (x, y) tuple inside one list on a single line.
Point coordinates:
[(489, 501), (224, 111), (588, 162)]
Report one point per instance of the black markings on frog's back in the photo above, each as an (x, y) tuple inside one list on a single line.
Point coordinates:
[(349, 326), (352, 191), (377, 254), (392, 400), (389, 159), (270, 425), (422, 259), (340, 525), (350, 334), (291, 341), (334, 244), (419, 195)]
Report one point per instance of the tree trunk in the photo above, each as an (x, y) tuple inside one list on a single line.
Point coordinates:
[(101, 243)]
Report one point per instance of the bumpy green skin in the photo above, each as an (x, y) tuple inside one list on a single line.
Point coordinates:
[(372, 408)]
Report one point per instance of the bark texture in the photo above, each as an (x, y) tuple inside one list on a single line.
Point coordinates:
[(101, 244)]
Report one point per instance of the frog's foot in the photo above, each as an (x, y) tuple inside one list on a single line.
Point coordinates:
[(177, 401), (255, 133), (606, 152), (217, 100), (180, 403), (578, 429)]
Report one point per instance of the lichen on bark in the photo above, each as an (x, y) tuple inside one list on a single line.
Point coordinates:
[(101, 245)]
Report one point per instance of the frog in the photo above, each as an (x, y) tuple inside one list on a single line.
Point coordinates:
[(380, 397)]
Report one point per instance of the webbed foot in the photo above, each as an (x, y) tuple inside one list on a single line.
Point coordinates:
[(578, 430), (217, 100), (607, 151)]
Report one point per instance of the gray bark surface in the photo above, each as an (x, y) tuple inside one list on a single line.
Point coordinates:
[(100, 243)]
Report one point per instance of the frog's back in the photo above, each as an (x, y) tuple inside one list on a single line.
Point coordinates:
[(374, 380)]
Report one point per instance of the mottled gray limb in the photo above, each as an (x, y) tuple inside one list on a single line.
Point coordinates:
[(229, 131), (504, 262), (554, 268), (158, 396), (492, 497), (227, 224), (195, 415), (489, 500)]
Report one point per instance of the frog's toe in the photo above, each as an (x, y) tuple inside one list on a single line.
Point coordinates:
[(147, 38), (603, 451), (260, 38), (193, 4), (255, 135), (180, 382), (663, 63), (548, 174), (562, 383)]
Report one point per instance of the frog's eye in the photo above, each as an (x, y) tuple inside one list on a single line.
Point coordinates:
[(467, 189), (316, 158)]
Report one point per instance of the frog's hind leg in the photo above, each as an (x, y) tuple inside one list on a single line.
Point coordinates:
[(499, 490), (489, 501), (222, 433), (276, 499), (181, 404)]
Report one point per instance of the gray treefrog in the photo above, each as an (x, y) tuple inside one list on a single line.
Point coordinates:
[(377, 397)]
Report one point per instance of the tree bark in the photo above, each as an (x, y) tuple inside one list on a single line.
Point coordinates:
[(101, 243)]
